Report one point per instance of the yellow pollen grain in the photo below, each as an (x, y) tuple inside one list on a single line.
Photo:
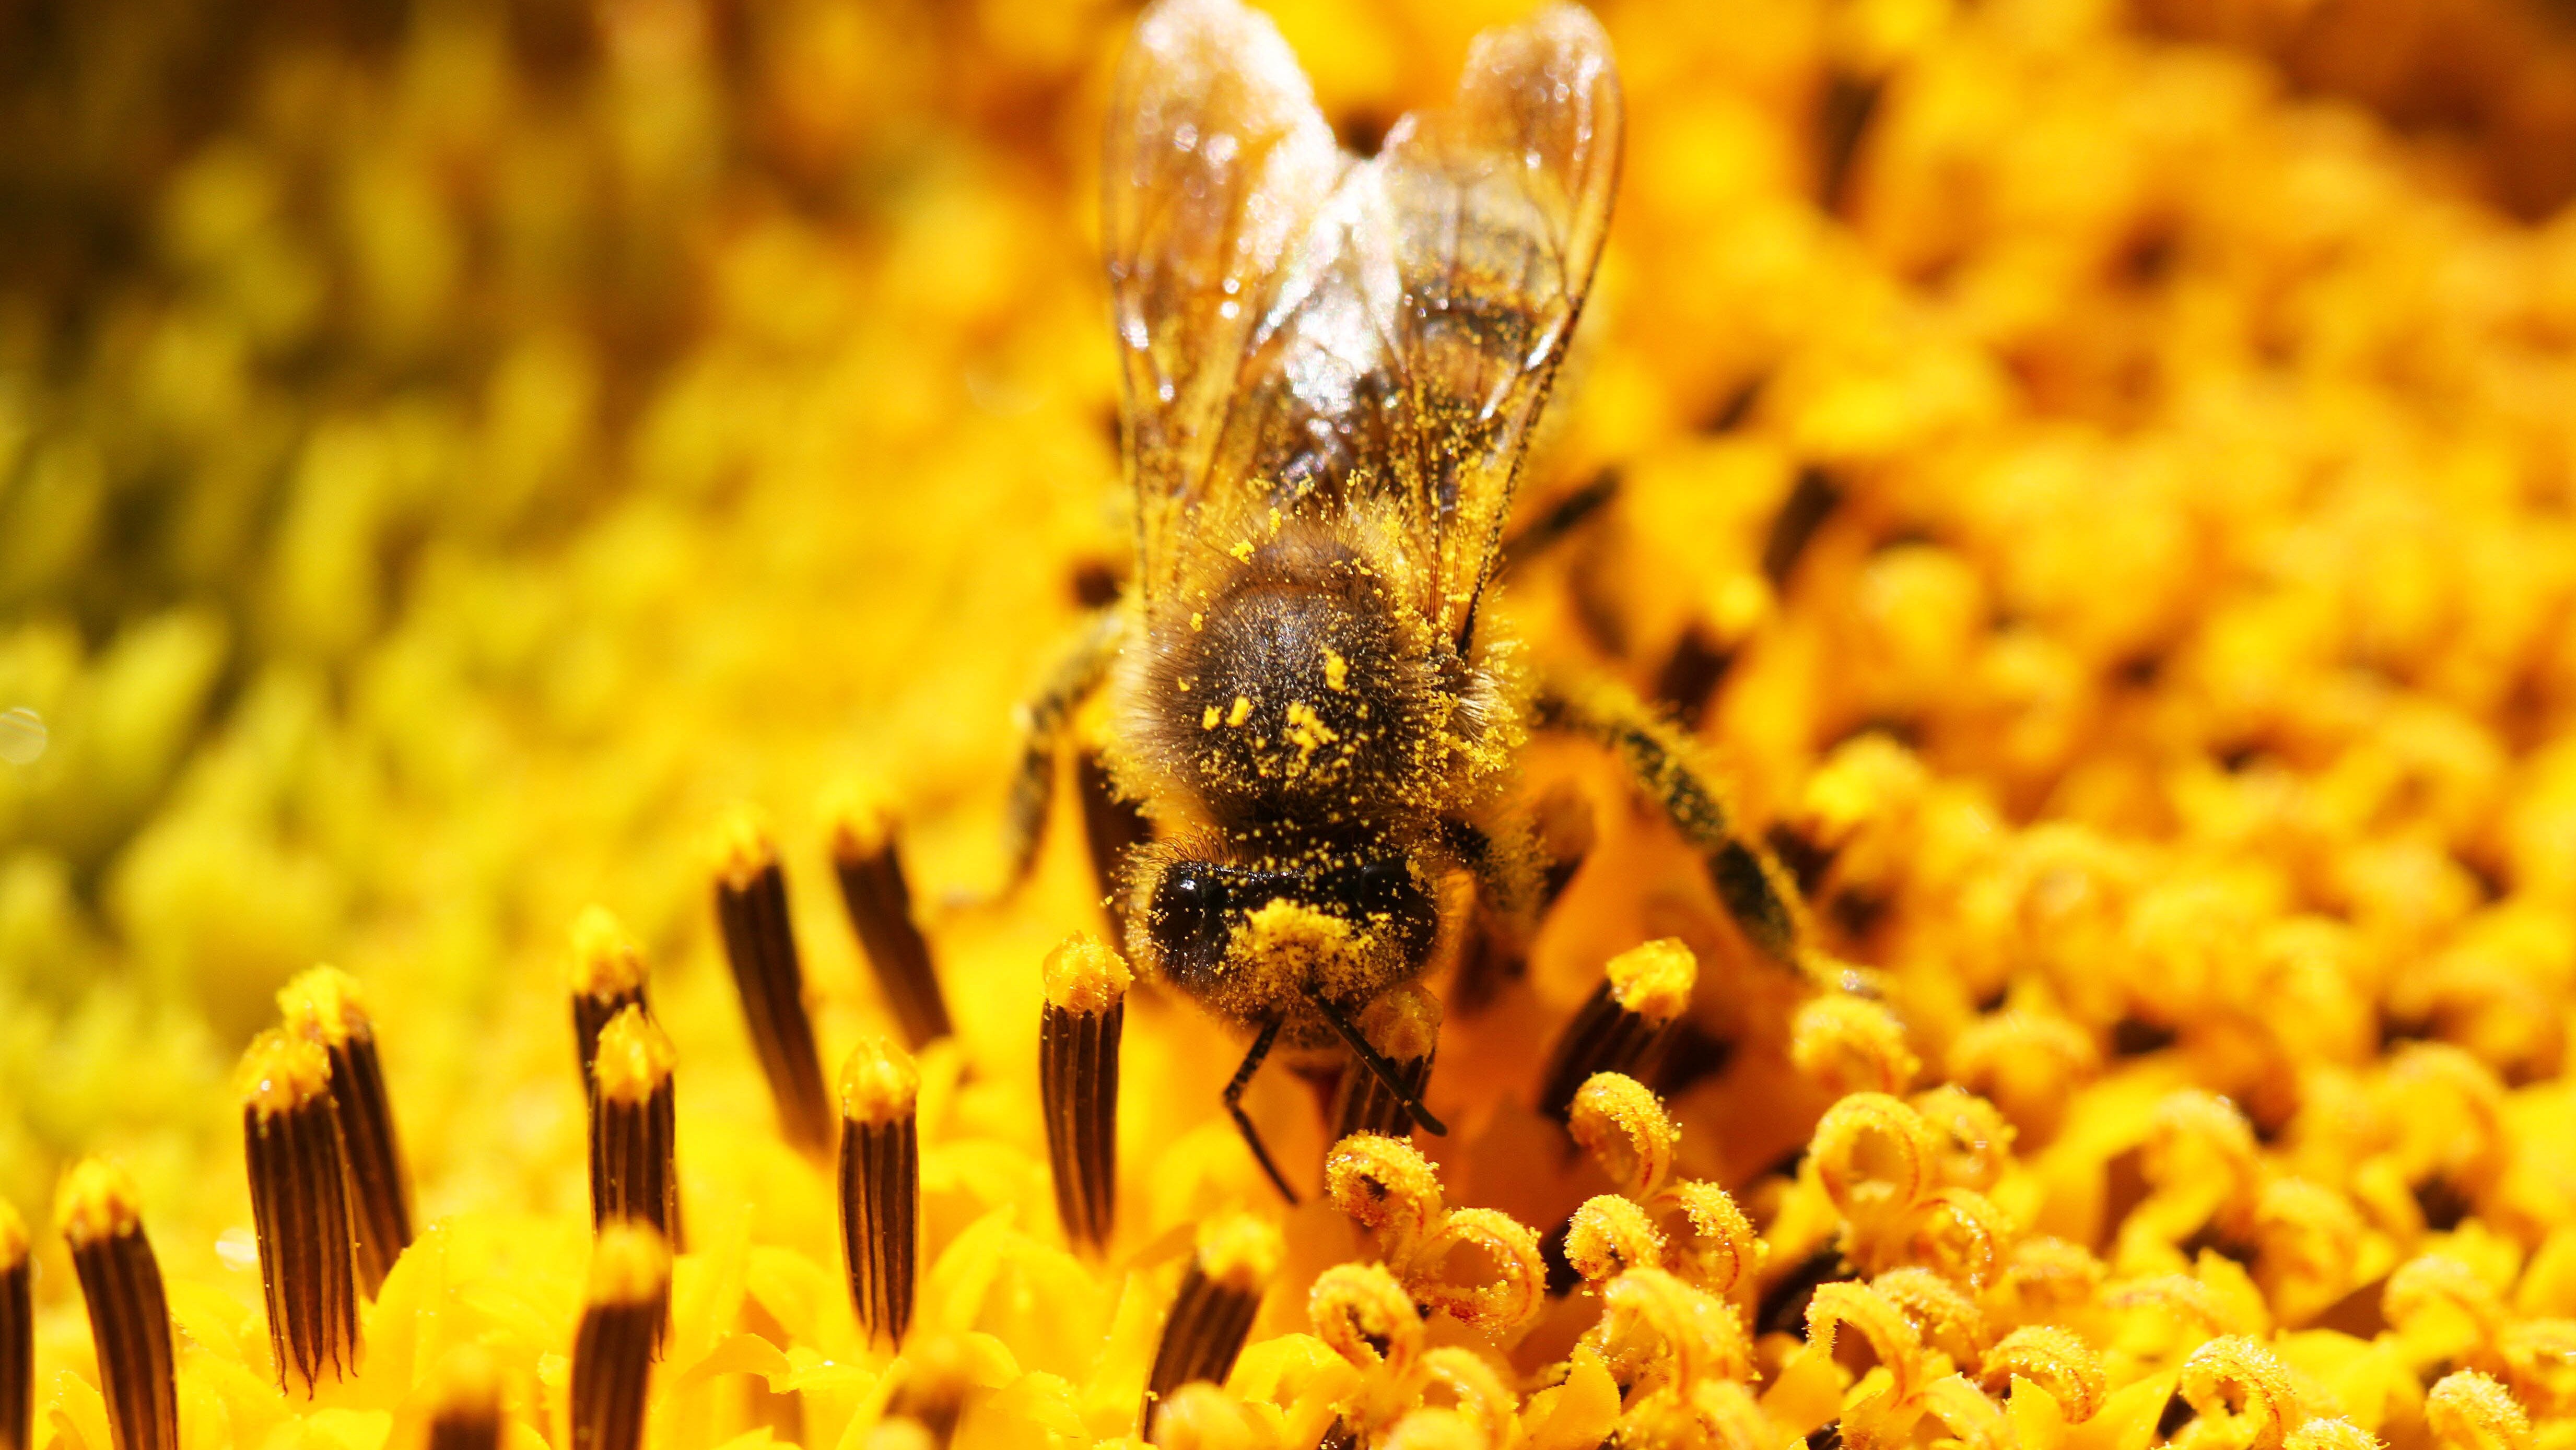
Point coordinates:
[(1241, 712), (1307, 732), (1281, 925), (1654, 981), (282, 1071), (1242, 550), (629, 1264), (1403, 1024), (635, 1057), (742, 849), (1337, 670), (1210, 719), (324, 1004), (13, 1237), (879, 1083), (1287, 945), (1084, 977), (1198, 620), (605, 961), (97, 1202), (1240, 1252)]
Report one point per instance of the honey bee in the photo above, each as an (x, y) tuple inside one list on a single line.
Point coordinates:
[(1332, 369)]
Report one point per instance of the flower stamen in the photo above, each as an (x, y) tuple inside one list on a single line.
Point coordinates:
[(17, 1333), (881, 1186), (621, 1329), (1078, 1040), (1621, 1026), (633, 1151), (868, 859), (465, 1402), (607, 978), (1623, 1125), (101, 1220), (325, 1006), (1237, 1257), (760, 946), (299, 1202)]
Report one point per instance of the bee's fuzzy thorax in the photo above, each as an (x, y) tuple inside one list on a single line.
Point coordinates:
[(1310, 743)]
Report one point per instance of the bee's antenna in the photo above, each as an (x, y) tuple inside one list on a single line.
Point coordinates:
[(1379, 1068)]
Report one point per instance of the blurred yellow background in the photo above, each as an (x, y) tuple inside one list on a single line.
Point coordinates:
[(450, 451)]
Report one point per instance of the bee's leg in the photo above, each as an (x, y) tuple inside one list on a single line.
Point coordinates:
[(1521, 865), (1500, 921), (1755, 889), (1408, 1098), (1112, 826), (1243, 1121), (1042, 721)]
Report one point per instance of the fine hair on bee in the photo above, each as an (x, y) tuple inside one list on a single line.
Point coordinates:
[(1332, 368)]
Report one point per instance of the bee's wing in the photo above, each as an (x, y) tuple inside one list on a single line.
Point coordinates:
[(1496, 208), (1408, 345), (1217, 163)]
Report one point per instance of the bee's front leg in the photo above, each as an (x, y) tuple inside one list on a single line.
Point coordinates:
[(1755, 889), (1042, 724), (1516, 880), (1233, 1095)]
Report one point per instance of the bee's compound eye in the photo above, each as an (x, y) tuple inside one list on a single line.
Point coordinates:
[(1384, 893), (1384, 884), (1189, 921), (1384, 873)]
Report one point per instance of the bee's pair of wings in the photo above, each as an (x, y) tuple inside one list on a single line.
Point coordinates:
[(1303, 330)]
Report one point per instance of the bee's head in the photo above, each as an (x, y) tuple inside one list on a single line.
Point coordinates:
[(1246, 942)]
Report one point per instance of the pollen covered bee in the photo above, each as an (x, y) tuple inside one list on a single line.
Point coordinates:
[(1332, 369)]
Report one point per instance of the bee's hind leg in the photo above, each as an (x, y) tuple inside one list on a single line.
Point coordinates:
[(1755, 889), (1042, 724), (1243, 1121)]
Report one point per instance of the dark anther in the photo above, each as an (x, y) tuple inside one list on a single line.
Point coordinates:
[(1362, 131), (867, 860), (1693, 670), (2442, 1203), (1691, 1055), (1808, 506), (1562, 1276), (1094, 584), (1559, 522), (1730, 414), (2131, 1037), (2178, 1413), (1842, 120), (1783, 1309)]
